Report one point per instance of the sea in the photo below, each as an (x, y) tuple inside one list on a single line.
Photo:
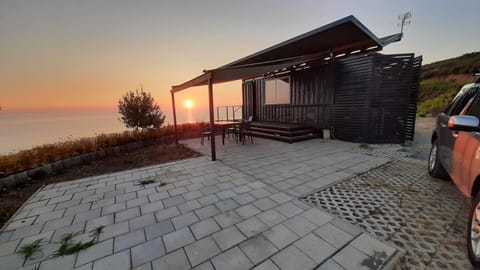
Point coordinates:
[(24, 130)]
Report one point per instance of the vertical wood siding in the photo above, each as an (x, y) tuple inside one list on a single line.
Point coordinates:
[(365, 99)]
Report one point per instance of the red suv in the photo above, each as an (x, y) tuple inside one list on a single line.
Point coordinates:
[(455, 153)]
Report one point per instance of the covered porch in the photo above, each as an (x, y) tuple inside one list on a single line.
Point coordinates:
[(320, 48)]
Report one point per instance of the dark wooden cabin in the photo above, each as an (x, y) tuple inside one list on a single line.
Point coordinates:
[(369, 98), (329, 81)]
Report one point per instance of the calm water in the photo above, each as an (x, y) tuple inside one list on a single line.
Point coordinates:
[(23, 130)]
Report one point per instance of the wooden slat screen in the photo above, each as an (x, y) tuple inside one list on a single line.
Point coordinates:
[(370, 98)]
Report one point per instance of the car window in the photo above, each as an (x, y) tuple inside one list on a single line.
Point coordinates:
[(461, 101), (475, 107), (467, 107)]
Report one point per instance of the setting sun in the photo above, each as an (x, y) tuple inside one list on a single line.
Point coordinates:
[(188, 104)]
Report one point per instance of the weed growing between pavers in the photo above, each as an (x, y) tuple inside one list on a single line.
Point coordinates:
[(365, 146), (31, 249), (67, 246), (95, 233), (145, 182)]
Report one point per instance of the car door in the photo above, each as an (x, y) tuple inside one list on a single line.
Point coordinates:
[(470, 164), (448, 137), (444, 138)]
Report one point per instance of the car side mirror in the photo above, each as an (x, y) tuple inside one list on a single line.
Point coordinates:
[(464, 123)]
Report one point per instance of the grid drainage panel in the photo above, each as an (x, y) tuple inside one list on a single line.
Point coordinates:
[(399, 203)]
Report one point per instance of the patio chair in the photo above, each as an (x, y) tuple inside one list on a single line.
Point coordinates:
[(232, 131), (203, 134), (244, 132)]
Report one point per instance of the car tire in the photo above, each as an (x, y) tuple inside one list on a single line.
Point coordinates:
[(435, 168), (474, 246)]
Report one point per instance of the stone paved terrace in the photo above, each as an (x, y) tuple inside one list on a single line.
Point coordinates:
[(240, 212)]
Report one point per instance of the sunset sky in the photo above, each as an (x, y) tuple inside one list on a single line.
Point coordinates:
[(85, 54)]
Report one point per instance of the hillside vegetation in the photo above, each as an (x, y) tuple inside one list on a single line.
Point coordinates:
[(440, 81)]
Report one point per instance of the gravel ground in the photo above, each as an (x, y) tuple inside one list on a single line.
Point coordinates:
[(400, 203)]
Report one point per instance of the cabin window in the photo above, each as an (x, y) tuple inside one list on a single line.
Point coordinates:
[(277, 90)]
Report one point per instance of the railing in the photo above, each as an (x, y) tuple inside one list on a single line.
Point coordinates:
[(311, 115), (229, 113)]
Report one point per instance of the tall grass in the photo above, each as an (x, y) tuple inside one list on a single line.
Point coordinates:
[(48, 153), (436, 94), (466, 64)]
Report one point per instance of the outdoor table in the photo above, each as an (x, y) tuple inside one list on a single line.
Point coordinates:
[(225, 125)]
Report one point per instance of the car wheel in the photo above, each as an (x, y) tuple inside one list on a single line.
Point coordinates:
[(435, 167), (473, 232)]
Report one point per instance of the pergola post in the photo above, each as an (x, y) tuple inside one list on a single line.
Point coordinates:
[(174, 116), (212, 124)]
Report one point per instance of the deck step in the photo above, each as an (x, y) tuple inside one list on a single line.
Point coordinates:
[(282, 132), (288, 139), (277, 126)]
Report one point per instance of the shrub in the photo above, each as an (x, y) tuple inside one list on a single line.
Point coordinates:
[(48, 153), (139, 110)]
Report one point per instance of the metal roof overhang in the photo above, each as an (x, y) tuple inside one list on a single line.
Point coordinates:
[(344, 36)]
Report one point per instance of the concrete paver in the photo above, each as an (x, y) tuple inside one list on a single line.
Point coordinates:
[(271, 217), (228, 218), (184, 220), (204, 228), (205, 266), (252, 226), (178, 239), (228, 237), (129, 240), (315, 248), (280, 236), (147, 251), (266, 265), (258, 249), (8, 247), (351, 258), (233, 259), (333, 235), (175, 260), (58, 263), (158, 229), (291, 258), (117, 261), (206, 212), (202, 250), (240, 213), (300, 225), (97, 251), (141, 221)]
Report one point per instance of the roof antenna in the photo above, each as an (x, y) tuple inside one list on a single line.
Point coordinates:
[(404, 19)]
